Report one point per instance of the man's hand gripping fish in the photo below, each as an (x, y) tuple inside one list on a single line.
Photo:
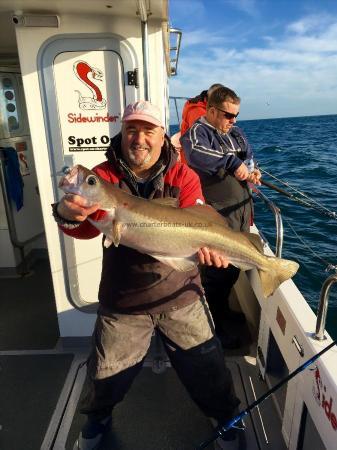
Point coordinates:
[(172, 235)]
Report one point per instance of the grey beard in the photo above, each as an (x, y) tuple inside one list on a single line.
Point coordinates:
[(139, 163)]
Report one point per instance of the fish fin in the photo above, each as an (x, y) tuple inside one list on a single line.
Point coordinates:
[(278, 271), (179, 264), (167, 201), (112, 229), (255, 240), (117, 231), (107, 242), (104, 223), (241, 265)]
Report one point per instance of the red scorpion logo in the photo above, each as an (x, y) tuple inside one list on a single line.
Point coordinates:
[(82, 70)]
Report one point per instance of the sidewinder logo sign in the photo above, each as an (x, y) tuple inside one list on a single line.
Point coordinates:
[(86, 73)]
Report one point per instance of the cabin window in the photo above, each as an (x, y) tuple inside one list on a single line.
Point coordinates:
[(276, 371), (309, 437)]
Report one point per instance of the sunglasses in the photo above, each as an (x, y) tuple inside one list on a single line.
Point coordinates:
[(227, 115)]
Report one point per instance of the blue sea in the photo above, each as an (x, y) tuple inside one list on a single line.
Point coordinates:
[(301, 151)]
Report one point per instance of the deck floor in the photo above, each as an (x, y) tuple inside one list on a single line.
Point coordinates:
[(30, 386), (28, 319), (157, 413)]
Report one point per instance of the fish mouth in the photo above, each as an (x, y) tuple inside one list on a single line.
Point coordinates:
[(70, 182)]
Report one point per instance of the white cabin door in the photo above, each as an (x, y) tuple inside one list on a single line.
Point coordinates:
[(86, 90)]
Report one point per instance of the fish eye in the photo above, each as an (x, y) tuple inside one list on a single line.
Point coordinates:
[(91, 180)]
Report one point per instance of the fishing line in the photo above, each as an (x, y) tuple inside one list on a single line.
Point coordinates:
[(329, 265), (285, 183), (282, 191), (219, 431), (309, 202)]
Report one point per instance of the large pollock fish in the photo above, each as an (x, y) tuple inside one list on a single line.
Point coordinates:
[(173, 235)]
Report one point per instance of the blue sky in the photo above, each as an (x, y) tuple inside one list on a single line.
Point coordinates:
[(279, 56)]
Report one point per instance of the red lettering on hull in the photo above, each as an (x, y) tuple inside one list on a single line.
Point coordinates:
[(319, 392)]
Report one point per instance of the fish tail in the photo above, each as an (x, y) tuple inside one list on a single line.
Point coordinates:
[(277, 271)]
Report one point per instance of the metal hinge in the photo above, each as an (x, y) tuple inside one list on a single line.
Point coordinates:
[(133, 78)]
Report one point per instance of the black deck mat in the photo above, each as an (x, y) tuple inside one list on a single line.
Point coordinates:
[(158, 414), (30, 386), (271, 437), (28, 318)]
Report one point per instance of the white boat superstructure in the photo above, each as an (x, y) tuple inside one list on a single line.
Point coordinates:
[(67, 70)]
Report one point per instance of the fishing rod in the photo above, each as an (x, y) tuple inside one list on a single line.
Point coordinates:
[(220, 430), (309, 204), (288, 194), (276, 188)]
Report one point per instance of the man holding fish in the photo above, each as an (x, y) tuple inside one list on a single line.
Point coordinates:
[(139, 292)]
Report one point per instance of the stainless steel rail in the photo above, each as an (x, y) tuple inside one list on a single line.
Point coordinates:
[(278, 221), (176, 49), (144, 13), (323, 307), (176, 106), (20, 245)]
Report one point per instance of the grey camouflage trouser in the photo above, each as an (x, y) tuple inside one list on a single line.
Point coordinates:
[(121, 343), (122, 340)]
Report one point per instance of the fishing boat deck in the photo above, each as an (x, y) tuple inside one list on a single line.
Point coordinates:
[(41, 383), (158, 414)]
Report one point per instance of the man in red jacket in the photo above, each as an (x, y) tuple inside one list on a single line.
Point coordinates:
[(138, 293), (195, 108)]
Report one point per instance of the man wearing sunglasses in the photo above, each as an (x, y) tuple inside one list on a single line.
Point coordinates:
[(216, 149)]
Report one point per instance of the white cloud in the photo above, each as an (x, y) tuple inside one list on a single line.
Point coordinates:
[(187, 9), (296, 73), (200, 36), (319, 38), (311, 23), (247, 6)]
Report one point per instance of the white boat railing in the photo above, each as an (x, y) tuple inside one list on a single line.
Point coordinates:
[(278, 221), (323, 307), (174, 99)]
